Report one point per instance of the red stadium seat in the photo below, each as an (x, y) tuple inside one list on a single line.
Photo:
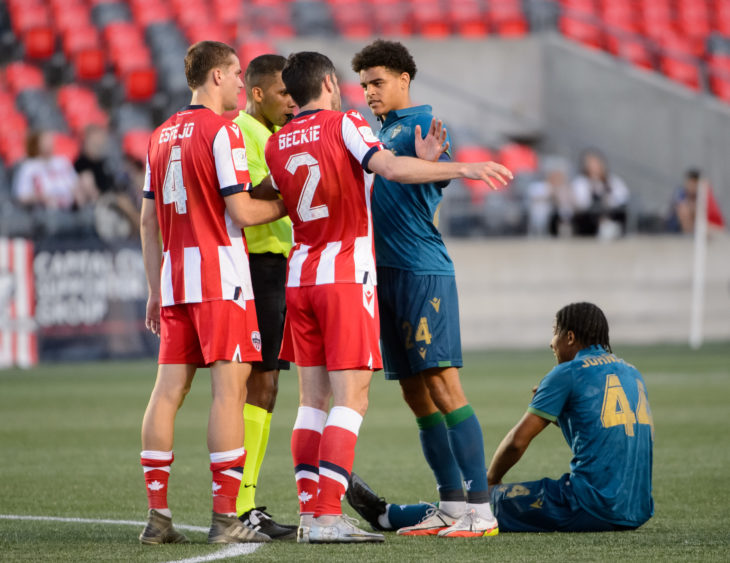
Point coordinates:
[(80, 108), (66, 145), (141, 84), (73, 16), (352, 95), (90, 64), (467, 18), (249, 50), (582, 31), (681, 70), (134, 144), (630, 47), (520, 159), (39, 42), (133, 58), (27, 16), (146, 13), (79, 39), (208, 31), (20, 76), (507, 19)]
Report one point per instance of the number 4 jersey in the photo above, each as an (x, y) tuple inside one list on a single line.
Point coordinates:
[(319, 164), (194, 160), (601, 405)]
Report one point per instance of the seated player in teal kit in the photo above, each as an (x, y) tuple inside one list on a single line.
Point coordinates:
[(600, 404)]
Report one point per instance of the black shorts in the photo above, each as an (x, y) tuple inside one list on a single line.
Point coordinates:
[(268, 277)]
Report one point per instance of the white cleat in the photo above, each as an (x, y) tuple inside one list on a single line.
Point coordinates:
[(471, 525), (434, 521), (341, 529)]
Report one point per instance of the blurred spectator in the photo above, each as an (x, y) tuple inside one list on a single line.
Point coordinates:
[(550, 204), (115, 215), (601, 198), (683, 207), (45, 180)]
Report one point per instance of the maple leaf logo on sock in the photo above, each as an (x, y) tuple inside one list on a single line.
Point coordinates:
[(304, 496), (216, 486), (155, 486)]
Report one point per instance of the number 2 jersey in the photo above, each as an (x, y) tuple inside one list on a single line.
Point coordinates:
[(601, 405), (319, 164), (194, 160)]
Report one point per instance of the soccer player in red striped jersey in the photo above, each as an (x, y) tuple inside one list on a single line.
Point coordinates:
[(322, 163), (200, 299)]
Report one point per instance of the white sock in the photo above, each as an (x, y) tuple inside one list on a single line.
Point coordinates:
[(383, 520), (454, 508), (483, 510)]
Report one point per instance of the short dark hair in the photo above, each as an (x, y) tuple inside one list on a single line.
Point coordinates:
[(693, 174), (261, 68), (202, 57), (587, 322), (390, 54), (303, 75)]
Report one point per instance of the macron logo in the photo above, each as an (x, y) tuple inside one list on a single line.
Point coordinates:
[(235, 129), (155, 486)]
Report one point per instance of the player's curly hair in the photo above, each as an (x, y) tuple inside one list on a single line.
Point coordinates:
[(390, 54), (202, 57), (587, 322)]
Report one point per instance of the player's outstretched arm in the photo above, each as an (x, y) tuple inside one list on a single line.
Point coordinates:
[(247, 211), (408, 170), (513, 445), (434, 144), (149, 231)]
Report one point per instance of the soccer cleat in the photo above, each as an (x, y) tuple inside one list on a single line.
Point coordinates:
[(434, 521), (159, 530), (364, 500), (305, 522), (471, 525), (341, 530), (258, 519), (229, 529)]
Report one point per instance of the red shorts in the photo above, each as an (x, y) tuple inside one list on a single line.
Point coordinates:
[(202, 333), (334, 325)]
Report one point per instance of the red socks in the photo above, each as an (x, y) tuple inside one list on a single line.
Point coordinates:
[(227, 468), (305, 440), (156, 467), (336, 455)]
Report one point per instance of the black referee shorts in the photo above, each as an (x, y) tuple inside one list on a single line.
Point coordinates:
[(268, 277)]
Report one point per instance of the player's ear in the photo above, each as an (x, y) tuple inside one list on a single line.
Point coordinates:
[(570, 338), (258, 94), (217, 75), (405, 80), (329, 84)]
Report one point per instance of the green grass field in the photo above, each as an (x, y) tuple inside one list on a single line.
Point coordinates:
[(69, 447)]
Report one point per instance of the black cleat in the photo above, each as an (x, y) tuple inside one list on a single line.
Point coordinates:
[(365, 502), (259, 520)]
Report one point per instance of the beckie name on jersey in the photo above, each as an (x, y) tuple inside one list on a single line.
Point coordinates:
[(299, 137), (170, 133)]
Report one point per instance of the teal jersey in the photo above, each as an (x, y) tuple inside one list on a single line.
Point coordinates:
[(601, 405), (405, 216)]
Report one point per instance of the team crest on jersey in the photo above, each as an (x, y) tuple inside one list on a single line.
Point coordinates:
[(256, 340), (239, 159), (397, 129)]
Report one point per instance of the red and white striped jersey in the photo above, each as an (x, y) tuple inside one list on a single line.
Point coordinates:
[(195, 159), (318, 162)]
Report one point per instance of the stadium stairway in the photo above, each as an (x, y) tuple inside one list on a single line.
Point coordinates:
[(510, 289)]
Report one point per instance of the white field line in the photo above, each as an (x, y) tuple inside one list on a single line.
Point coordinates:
[(225, 553)]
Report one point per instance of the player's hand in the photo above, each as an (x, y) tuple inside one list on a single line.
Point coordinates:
[(487, 171), (152, 316), (434, 144)]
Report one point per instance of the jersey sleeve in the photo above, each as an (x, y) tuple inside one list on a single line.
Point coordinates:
[(552, 394), (359, 138), (229, 154), (147, 190)]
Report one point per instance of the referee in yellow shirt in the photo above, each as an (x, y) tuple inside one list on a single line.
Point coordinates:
[(268, 107)]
